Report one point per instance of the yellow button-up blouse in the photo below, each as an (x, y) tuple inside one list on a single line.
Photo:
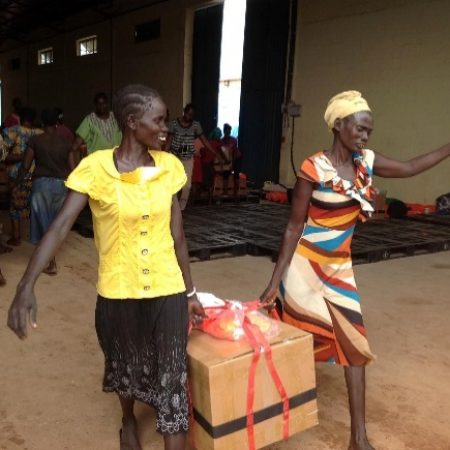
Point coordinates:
[(131, 214)]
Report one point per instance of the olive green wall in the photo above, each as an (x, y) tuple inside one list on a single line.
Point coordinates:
[(397, 53)]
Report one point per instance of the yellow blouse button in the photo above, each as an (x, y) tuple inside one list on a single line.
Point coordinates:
[(144, 252), (144, 233), (146, 271), (145, 217), (146, 288)]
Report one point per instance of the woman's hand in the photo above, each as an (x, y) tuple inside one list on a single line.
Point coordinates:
[(22, 309), (195, 310), (269, 296)]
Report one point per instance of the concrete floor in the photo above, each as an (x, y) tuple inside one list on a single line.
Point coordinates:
[(50, 385)]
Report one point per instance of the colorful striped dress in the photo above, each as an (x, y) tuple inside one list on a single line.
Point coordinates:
[(318, 290)]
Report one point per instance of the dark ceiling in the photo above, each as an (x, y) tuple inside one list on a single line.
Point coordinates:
[(19, 18)]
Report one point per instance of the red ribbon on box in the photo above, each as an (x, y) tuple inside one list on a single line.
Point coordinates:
[(259, 344)]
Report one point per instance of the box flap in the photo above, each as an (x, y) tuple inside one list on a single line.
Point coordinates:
[(211, 351)]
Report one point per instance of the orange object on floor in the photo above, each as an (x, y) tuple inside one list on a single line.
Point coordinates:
[(278, 197)]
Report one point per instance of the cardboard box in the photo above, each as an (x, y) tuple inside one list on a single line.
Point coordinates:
[(219, 372)]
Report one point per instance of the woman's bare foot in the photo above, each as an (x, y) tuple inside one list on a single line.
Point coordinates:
[(51, 269), (361, 444), (2, 279), (129, 439), (4, 248), (14, 241)]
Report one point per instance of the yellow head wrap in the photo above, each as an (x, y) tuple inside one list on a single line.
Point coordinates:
[(343, 105)]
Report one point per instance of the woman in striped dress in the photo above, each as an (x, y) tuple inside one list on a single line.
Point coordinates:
[(313, 277)]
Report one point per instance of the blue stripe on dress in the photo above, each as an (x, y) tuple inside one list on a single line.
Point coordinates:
[(333, 244), (345, 292)]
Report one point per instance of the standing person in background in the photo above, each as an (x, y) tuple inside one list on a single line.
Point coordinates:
[(235, 156), (13, 119), (183, 131), (62, 129), (98, 130), (17, 139), (54, 160)]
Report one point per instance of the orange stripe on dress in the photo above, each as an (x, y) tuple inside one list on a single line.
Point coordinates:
[(318, 212), (309, 171), (305, 326)]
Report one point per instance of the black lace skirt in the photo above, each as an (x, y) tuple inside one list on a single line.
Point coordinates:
[(144, 343)]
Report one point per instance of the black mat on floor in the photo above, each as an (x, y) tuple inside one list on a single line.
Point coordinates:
[(256, 229)]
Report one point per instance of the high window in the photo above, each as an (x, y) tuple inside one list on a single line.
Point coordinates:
[(87, 46), (45, 56)]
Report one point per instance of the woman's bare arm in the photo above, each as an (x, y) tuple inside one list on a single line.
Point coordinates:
[(181, 250), (300, 204), (391, 168), (24, 307)]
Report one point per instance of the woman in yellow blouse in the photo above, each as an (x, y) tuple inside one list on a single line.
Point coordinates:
[(145, 290)]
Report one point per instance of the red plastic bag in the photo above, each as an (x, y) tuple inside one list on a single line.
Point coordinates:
[(225, 318)]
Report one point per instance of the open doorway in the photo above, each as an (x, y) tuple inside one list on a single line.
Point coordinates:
[(217, 64), (239, 77), (231, 64)]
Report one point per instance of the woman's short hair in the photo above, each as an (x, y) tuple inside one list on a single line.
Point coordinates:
[(49, 117), (133, 99), (27, 114), (100, 95)]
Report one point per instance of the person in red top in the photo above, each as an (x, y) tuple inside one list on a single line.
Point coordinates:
[(13, 119)]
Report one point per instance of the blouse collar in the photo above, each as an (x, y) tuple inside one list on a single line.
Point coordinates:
[(141, 175)]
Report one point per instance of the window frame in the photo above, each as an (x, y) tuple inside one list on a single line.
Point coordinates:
[(41, 52), (85, 39)]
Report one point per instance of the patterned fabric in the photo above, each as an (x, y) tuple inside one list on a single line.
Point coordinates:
[(318, 290), (19, 202), (3, 149), (443, 204), (183, 138), (144, 344), (17, 139)]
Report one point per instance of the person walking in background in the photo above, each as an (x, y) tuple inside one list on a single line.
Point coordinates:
[(13, 119), (313, 277), (183, 131), (231, 150), (145, 291), (62, 129), (17, 138), (54, 160), (98, 130)]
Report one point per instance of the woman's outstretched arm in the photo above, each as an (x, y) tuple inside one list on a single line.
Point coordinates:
[(391, 168), (24, 307)]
